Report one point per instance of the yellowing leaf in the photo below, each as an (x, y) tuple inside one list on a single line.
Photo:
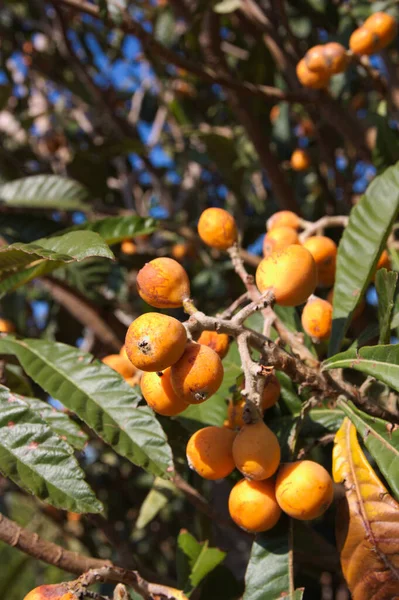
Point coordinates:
[(367, 523)]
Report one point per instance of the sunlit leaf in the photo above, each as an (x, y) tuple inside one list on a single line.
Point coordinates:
[(385, 283), (195, 560), (44, 191)]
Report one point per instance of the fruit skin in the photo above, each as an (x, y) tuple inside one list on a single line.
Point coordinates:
[(283, 218), (317, 318), (163, 283), (128, 247), (309, 78), (324, 251), (6, 326), (253, 505), (217, 228), (290, 273), (57, 591), (336, 57), (300, 160), (363, 41), (304, 489), (159, 394), (278, 239), (315, 59), (209, 452), (154, 342), (197, 374), (256, 451), (219, 342), (383, 26), (121, 365), (271, 394), (182, 251), (384, 262)]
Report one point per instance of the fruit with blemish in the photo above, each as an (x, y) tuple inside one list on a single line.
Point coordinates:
[(198, 374), (317, 318), (219, 342), (163, 283), (159, 394), (57, 591)]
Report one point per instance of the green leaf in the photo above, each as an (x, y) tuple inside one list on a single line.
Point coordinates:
[(361, 244), (115, 229), (267, 576), (16, 381), (381, 362), (197, 559), (158, 497), (381, 440), (44, 191), (289, 316), (227, 6), (59, 422), (38, 460), (100, 398), (385, 283), (386, 148)]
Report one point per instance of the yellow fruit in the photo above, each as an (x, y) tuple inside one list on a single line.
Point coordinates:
[(154, 342), (304, 489), (163, 283), (6, 326), (128, 247), (383, 26), (363, 41), (253, 505), (197, 374), (337, 57), (324, 252), (311, 79), (182, 251), (159, 394), (315, 60), (300, 160), (217, 228), (57, 591), (291, 274), (278, 239), (317, 318), (219, 342), (209, 452), (284, 218), (121, 365), (256, 451)]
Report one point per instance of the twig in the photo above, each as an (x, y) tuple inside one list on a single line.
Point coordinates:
[(229, 312), (296, 429), (328, 221)]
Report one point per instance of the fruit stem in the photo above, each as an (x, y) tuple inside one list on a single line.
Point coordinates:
[(189, 306)]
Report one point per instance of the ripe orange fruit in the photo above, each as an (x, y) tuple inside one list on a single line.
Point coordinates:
[(154, 342), (57, 591), (336, 57), (283, 218), (290, 273), (163, 283), (304, 489), (122, 352), (274, 113), (271, 394), (300, 160), (217, 228), (317, 318), (159, 394), (253, 505), (209, 452), (324, 251), (219, 342), (384, 262), (182, 251), (383, 26), (315, 59), (363, 41), (309, 78), (278, 239), (6, 326), (197, 374), (121, 365), (128, 247), (256, 451)]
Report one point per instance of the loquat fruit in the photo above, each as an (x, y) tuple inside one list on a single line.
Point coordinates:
[(270, 396), (253, 505), (274, 113), (122, 352), (197, 374), (209, 452), (383, 26), (311, 79), (219, 342), (217, 228), (315, 59), (336, 57), (128, 247), (363, 41), (300, 160), (291, 274), (256, 451), (324, 251), (304, 489), (121, 365), (317, 318), (384, 262), (278, 239), (57, 591), (283, 218), (6, 326), (154, 342), (182, 251), (159, 394), (163, 283)]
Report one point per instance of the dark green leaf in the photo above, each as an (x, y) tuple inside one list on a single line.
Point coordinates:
[(381, 440), (115, 229), (44, 191), (100, 398), (362, 242), (385, 283), (38, 460)]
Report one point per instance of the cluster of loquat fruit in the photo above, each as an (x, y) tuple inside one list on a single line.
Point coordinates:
[(321, 62)]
